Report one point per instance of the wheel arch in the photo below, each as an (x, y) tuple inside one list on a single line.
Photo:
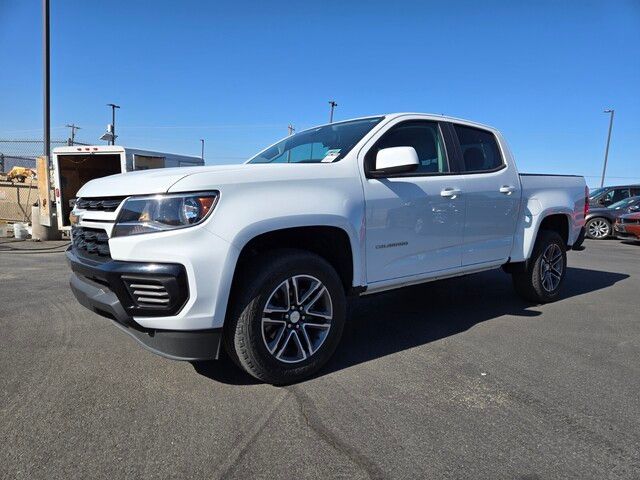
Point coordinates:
[(558, 221), (330, 242)]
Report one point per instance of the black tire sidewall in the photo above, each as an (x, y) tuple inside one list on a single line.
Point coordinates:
[(254, 357)]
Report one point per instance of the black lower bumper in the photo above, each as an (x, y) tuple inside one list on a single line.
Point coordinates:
[(95, 287), (628, 235)]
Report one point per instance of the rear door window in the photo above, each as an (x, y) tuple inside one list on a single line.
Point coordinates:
[(620, 194), (479, 149)]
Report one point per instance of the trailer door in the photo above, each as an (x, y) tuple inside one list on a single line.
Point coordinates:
[(73, 170)]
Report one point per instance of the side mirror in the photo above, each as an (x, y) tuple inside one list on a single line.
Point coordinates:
[(396, 160), (634, 208)]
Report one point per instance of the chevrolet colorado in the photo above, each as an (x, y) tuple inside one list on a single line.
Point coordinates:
[(259, 258)]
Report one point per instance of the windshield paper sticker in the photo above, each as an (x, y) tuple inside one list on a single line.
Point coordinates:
[(331, 155)]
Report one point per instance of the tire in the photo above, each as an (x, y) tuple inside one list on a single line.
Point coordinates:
[(598, 228), (541, 280), (279, 340)]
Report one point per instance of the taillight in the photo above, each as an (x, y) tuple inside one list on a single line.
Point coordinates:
[(586, 201)]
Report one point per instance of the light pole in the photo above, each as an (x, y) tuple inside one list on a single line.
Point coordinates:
[(611, 113), (113, 121), (202, 149), (46, 63), (333, 105), (291, 129)]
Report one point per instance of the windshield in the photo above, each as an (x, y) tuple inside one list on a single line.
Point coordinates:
[(328, 143), (594, 193), (624, 203)]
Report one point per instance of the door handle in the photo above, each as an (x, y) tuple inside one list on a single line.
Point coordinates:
[(507, 189), (450, 192)]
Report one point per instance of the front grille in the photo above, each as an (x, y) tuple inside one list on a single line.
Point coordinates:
[(109, 204), (92, 243)]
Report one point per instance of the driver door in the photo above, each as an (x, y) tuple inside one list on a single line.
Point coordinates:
[(414, 220)]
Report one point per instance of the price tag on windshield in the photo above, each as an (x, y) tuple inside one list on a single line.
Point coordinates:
[(331, 155)]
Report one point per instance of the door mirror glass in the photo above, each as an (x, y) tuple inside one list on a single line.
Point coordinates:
[(396, 160)]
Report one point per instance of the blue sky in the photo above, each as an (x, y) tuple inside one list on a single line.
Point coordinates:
[(237, 73)]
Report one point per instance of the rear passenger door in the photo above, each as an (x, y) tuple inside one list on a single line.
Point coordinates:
[(492, 194)]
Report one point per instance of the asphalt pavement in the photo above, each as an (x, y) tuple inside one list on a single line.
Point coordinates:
[(454, 379)]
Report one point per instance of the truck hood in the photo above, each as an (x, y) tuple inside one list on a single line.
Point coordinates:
[(196, 178), (144, 182)]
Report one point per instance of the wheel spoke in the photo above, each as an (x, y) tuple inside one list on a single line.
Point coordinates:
[(307, 340), (557, 267), (312, 289), (281, 325), (270, 308), (292, 340), (319, 293), (324, 316), (321, 331)]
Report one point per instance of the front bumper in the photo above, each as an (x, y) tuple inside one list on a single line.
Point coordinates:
[(100, 287), (627, 230)]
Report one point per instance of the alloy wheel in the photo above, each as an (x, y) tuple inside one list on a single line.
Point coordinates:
[(598, 228), (297, 318), (551, 267)]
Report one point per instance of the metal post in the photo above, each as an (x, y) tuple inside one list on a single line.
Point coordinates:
[(202, 149), (113, 121), (333, 105), (606, 152), (291, 129), (45, 84), (73, 128)]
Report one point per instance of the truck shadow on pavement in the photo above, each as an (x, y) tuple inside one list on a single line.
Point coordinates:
[(394, 321)]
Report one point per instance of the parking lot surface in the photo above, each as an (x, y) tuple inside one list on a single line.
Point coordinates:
[(455, 379)]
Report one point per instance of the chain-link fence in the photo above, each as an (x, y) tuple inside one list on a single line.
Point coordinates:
[(23, 153), (17, 197)]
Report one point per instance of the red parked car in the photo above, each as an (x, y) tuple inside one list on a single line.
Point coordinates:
[(628, 226)]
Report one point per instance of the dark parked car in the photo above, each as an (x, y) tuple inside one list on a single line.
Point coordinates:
[(606, 196), (600, 220)]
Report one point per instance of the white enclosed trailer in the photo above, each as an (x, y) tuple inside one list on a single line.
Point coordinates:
[(75, 166)]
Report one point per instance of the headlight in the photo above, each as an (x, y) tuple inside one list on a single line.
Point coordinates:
[(159, 213)]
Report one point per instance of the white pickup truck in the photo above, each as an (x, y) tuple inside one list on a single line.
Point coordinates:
[(260, 258)]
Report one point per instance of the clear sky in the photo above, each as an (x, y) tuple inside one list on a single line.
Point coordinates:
[(237, 73)]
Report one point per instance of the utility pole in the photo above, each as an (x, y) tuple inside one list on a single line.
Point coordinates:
[(333, 105), (611, 113), (291, 129), (46, 64), (113, 121), (73, 128), (202, 149)]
